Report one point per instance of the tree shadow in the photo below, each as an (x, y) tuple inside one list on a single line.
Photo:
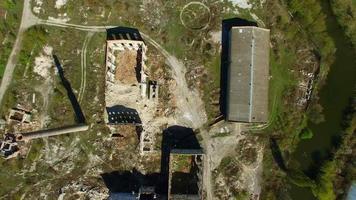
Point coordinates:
[(73, 100), (227, 24), (277, 154)]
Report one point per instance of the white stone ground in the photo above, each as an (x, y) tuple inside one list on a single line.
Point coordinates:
[(245, 4), (44, 62), (60, 3), (37, 8)]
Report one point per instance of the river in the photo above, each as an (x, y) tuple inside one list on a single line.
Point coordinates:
[(334, 98)]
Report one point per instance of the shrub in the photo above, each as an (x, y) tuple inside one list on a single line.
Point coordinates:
[(306, 134)]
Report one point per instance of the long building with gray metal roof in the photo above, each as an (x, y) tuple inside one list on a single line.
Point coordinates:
[(247, 75)]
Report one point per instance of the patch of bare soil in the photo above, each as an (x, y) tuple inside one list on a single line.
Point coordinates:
[(126, 62)]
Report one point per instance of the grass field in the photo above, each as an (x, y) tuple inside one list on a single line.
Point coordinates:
[(10, 17)]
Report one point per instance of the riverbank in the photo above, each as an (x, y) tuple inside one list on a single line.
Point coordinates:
[(333, 96), (330, 96)]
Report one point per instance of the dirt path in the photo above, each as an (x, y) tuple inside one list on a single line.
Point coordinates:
[(26, 21), (190, 105), (84, 66)]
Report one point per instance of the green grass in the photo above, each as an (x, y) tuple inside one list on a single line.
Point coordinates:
[(181, 162), (8, 29), (281, 80), (221, 134)]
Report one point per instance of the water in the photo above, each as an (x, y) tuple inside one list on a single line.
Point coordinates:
[(352, 192), (334, 98)]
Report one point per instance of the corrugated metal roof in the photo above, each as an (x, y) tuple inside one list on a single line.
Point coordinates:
[(247, 84)]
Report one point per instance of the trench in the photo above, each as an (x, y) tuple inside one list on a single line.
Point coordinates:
[(334, 98)]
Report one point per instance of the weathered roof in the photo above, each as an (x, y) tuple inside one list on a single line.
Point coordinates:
[(247, 84)]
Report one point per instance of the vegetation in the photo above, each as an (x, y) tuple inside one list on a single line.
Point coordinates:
[(298, 177), (345, 11), (10, 16), (181, 163), (305, 20), (306, 134), (19, 92)]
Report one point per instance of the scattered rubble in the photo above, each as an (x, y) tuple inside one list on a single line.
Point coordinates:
[(37, 7), (19, 115), (60, 3), (245, 4), (44, 63), (130, 97), (80, 190), (8, 146)]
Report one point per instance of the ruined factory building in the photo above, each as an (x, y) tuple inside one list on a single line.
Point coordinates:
[(248, 71), (185, 174)]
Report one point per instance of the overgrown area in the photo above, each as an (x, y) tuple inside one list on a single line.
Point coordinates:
[(10, 17), (345, 11), (305, 20)]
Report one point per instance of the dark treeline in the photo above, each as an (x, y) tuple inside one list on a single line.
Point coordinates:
[(345, 12)]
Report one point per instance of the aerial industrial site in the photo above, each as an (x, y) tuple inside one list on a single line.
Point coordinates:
[(177, 100)]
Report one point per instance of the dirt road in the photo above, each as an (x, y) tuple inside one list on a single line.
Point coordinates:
[(26, 21)]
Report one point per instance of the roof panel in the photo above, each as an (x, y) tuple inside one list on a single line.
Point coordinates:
[(247, 85)]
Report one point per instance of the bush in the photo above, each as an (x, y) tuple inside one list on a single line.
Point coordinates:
[(324, 189), (306, 134)]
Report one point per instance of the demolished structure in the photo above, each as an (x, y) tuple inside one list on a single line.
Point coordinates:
[(185, 174), (129, 94), (247, 74), (8, 146), (19, 115), (180, 178)]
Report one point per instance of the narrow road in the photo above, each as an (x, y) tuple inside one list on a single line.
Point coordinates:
[(189, 104), (26, 21)]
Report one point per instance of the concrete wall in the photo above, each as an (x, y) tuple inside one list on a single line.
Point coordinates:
[(52, 132)]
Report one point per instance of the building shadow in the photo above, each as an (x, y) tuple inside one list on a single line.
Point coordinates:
[(185, 183), (123, 33), (123, 115), (175, 137), (227, 24), (73, 100), (129, 181), (138, 67)]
